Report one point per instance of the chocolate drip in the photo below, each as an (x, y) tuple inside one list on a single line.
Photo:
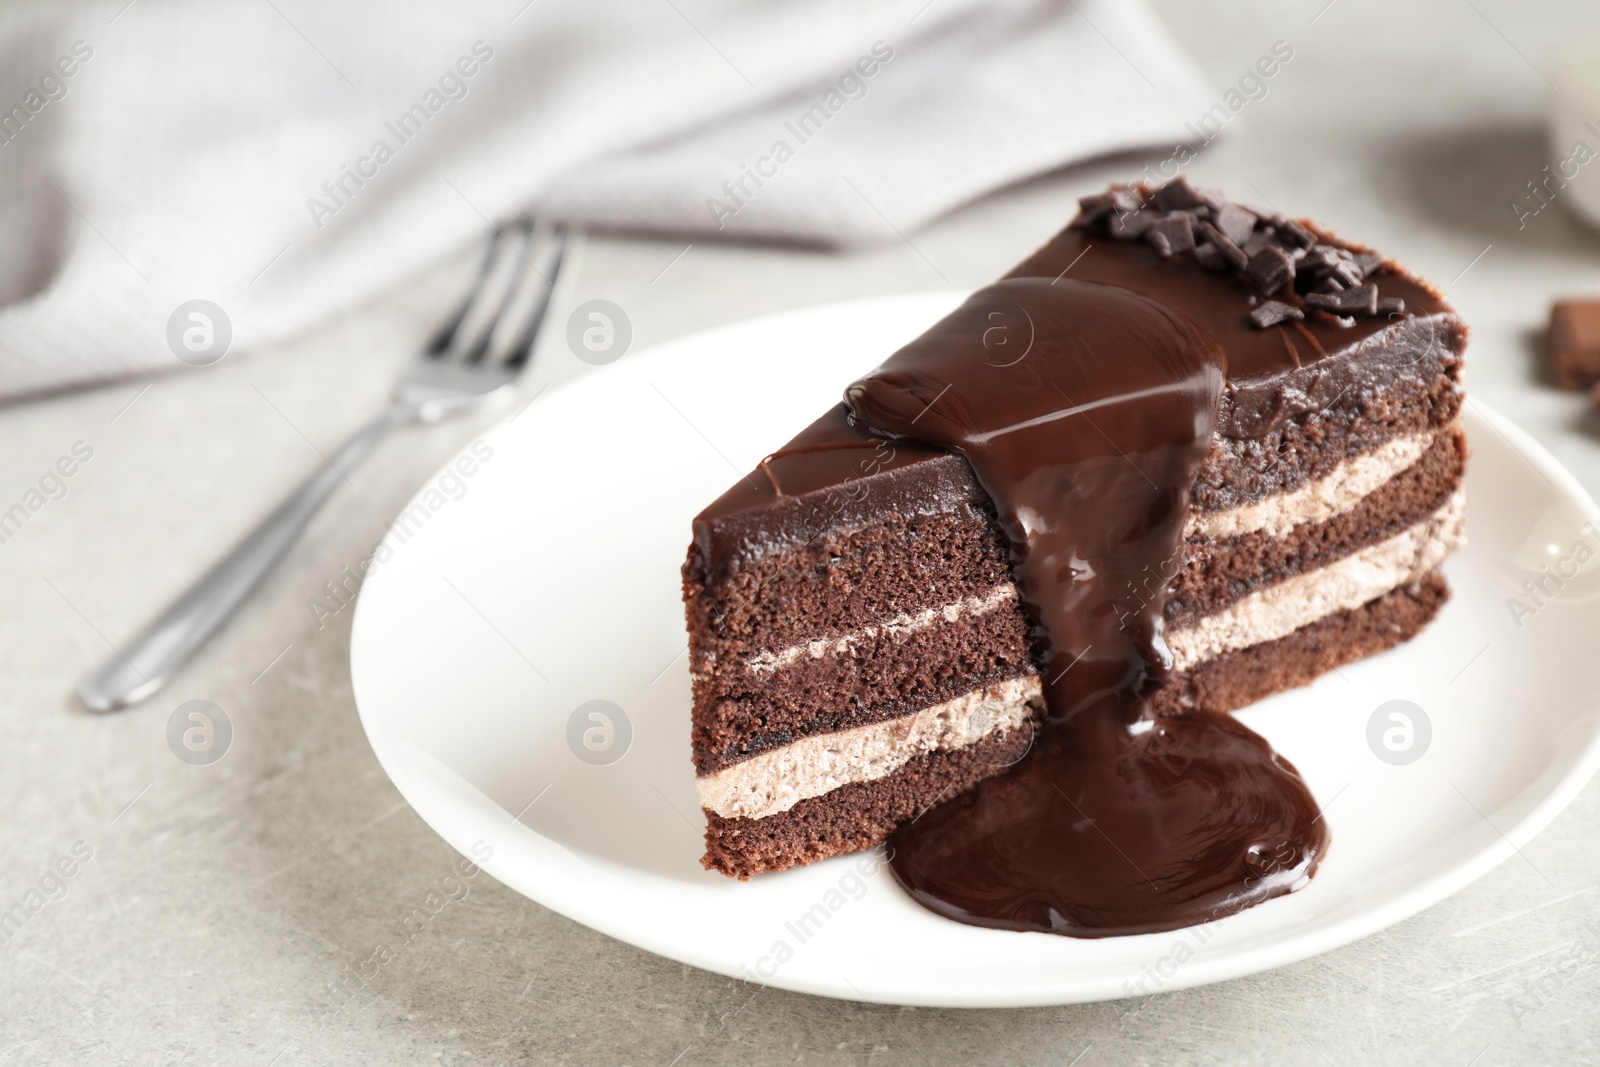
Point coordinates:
[(1085, 411)]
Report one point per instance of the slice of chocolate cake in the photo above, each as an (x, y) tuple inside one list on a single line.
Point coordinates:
[(859, 647)]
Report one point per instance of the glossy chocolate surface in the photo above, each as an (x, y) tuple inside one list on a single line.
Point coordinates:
[(1274, 375), (1085, 411), (1220, 304)]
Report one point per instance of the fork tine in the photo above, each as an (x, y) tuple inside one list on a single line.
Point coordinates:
[(552, 256), (523, 231), (439, 343)]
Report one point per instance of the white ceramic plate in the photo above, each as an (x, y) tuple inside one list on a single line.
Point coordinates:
[(549, 578)]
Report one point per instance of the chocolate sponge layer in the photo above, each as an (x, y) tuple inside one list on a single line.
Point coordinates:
[(861, 815), (905, 565), (856, 816), (1236, 679), (1216, 574)]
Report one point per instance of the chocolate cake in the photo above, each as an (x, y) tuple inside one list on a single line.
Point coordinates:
[(1183, 457)]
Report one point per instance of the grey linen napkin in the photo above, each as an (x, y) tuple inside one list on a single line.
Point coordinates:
[(285, 158)]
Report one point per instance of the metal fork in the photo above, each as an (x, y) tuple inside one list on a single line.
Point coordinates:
[(473, 359)]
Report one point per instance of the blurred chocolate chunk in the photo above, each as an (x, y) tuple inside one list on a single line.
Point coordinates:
[(1178, 194), (1391, 305), (1129, 225), (1125, 199), (1210, 259), (1092, 209), (1273, 312), (1573, 342), (1296, 234), (1322, 257)]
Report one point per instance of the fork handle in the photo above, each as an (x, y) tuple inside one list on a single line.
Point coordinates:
[(143, 666)]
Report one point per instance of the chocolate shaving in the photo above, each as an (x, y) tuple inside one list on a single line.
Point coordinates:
[(1273, 312), (1230, 251), (1325, 269), (1237, 223), (1177, 230), (1362, 300), (1259, 240), (1270, 254), (1270, 270), (1348, 272)]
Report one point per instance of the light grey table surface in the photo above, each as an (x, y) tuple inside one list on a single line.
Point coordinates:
[(220, 902)]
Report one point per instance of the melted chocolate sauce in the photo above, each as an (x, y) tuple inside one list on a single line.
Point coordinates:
[(1085, 411)]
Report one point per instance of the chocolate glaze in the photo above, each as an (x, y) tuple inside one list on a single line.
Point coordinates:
[(1274, 376), (1219, 304), (1085, 411), (1277, 373)]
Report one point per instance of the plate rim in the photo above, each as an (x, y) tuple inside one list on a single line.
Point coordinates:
[(1202, 970)]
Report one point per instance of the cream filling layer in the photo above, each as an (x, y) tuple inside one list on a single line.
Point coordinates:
[(776, 781), (1343, 585), (1341, 490)]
